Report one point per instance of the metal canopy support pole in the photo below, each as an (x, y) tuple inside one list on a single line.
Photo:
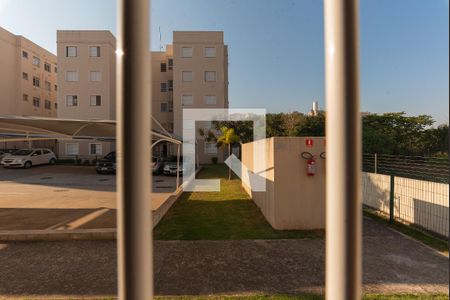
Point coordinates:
[(133, 136), (178, 166), (343, 206)]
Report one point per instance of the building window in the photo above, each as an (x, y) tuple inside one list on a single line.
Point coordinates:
[(47, 67), (71, 76), (210, 52), (187, 100), (210, 99), (25, 97), (95, 100), (170, 127), (187, 52), (48, 86), (71, 100), (56, 87), (210, 76), (71, 51), (210, 148), (25, 54), (163, 87), (170, 63), (36, 61), (36, 82), (56, 105), (55, 69), (187, 76), (47, 104), (94, 51), (95, 149), (36, 101), (95, 76), (170, 85), (24, 76), (170, 106), (163, 67), (72, 149), (164, 107)]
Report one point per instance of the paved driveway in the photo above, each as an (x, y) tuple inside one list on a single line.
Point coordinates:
[(393, 263), (64, 197)]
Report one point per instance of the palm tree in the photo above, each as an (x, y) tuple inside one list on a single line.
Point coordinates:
[(226, 138)]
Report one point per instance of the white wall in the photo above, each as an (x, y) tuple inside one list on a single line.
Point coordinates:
[(422, 203)]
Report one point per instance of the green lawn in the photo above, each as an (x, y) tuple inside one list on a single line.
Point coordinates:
[(226, 215)]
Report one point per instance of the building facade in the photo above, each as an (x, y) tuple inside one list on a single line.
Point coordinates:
[(87, 85), (28, 77), (191, 73)]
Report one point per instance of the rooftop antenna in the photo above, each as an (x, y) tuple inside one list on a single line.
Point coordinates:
[(160, 44)]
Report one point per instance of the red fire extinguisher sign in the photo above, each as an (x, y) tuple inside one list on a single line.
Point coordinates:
[(309, 143)]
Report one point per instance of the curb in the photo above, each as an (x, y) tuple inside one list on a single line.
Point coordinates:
[(57, 235)]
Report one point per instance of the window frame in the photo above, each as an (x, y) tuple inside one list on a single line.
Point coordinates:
[(187, 104), (98, 51), (72, 144), (183, 48), (187, 71), (205, 53), (96, 153), (70, 72), (95, 72), (68, 52), (72, 103), (97, 97), (210, 71)]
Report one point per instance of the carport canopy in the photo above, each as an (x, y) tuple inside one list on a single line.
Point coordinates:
[(18, 128)]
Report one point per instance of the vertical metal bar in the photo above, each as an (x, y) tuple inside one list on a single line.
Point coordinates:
[(391, 200), (343, 128), (133, 156), (178, 165)]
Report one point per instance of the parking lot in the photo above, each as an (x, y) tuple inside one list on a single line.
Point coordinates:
[(64, 197)]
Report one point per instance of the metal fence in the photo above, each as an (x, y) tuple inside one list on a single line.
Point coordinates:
[(434, 169), (421, 203)]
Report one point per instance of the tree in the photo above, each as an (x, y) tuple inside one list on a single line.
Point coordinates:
[(227, 138), (312, 126)]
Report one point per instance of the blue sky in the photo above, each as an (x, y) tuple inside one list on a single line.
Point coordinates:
[(276, 46)]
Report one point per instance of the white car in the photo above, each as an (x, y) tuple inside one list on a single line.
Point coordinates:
[(25, 158)]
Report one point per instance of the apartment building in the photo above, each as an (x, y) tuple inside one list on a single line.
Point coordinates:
[(28, 77), (191, 73), (87, 84)]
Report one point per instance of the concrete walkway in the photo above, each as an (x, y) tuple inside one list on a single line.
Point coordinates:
[(393, 263)]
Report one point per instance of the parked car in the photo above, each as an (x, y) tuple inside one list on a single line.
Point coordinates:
[(107, 165), (170, 167), (157, 164), (3, 154), (26, 158)]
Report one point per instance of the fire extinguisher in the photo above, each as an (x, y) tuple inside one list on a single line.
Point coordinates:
[(311, 166)]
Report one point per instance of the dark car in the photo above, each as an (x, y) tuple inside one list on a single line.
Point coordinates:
[(107, 165), (170, 167)]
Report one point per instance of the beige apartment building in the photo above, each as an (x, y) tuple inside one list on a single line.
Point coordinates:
[(191, 73), (28, 77), (87, 85)]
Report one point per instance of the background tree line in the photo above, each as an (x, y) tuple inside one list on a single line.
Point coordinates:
[(388, 133)]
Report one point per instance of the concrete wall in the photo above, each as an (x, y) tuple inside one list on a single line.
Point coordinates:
[(292, 199), (422, 203)]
